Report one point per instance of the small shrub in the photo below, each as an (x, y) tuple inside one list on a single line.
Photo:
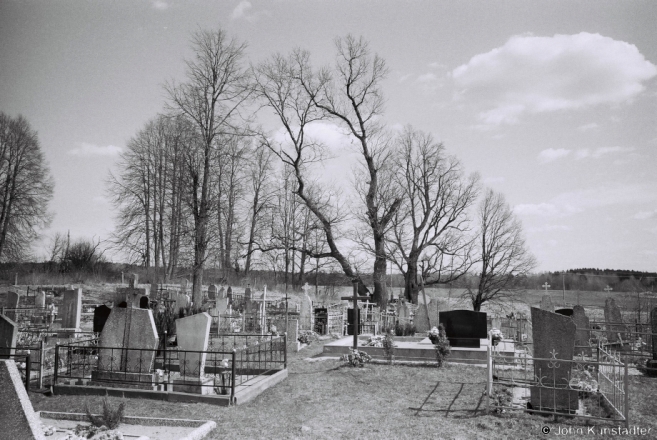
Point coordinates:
[(389, 346), (441, 345), (356, 358), (110, 417), (407, 329), (307, 336)]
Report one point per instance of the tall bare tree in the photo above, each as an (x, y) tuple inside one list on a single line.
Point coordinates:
[(288, 86), (215, 90), (432, 226), (350, 94), (504, 258), (26, 187)]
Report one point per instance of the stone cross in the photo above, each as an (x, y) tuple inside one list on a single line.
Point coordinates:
[(306, 288), (355, 299), (545, 286), (132, 294), (608, 289)]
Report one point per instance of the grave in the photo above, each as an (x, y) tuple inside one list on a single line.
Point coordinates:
[(17, 417), (8, 335), (72, 309), (192, 334), (554, 338), (613, 320), (421, 319), (583, 333), (464, 328), (546, 303), (564, 312), (182, 301), (126, 331), (101, 313), (11, 302), (132, 294), (229, 293), (40, 299), (212, 292), (222, 293), (403, 313)]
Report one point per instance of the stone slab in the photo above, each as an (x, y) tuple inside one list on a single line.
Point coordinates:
[(71, 308), (17, 417), (583, 333), (554, 340), (613, 320), (192, 334), (195, 385), (464, 328), (40, 299), (421, 319), (8, 335)]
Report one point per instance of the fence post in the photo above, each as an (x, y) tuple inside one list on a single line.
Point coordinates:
[(232, 379), (42, 361), (54, 382), (627, 397), (28, 371), (489, 375), (285, 350)]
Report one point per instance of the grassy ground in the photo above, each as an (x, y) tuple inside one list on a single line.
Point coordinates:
[(324, 400)]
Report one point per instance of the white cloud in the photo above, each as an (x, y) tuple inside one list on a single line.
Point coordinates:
[(587, 127), (601, 151), (644, 215), (552, 154), (530, 74), (241, 10), (84, 149), (160, 5)]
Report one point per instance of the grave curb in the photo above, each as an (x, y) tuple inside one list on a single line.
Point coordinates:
[(203, 427), (257, 389), (169, 396)]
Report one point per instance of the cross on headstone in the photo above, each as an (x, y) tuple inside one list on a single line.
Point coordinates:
[(355, 299), (608, 289), (306, 288), (545, 286)]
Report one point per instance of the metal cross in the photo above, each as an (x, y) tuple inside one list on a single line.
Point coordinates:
[(355, 299)]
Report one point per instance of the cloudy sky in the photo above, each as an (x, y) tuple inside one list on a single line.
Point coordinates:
[(553, 103)]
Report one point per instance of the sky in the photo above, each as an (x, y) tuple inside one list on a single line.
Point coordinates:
[(553, 103)]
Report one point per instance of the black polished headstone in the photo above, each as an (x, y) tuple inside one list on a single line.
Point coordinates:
[(564, 312), (101, 313), (464, 328)]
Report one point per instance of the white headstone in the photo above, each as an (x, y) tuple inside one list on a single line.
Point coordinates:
[(192, 334)]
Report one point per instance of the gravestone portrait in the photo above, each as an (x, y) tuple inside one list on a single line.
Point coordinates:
[(564, 312), (554, 340), (72, 308), (17, 416), (8, 335), (546, 303), (101, 313), (583, 333), (464, 328)]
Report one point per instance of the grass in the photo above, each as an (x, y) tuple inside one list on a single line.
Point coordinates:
[(326, 400)]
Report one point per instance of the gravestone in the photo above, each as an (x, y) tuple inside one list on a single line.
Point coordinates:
[(132, 294), (222, 293), (464, 328), (40, 299), (212, 292), (229, 293), (564, 312), (403, 313), (247, 293), (613, 320), (72, 308), (546, 303), (496, 322), (101, 313), (583, 333), (554, 338), (17, 416), (128, 328), (182, 301), (8, 335), (222, 306), (192, 335), (421, 319), (144, 302), (653, 319), (11, 302)]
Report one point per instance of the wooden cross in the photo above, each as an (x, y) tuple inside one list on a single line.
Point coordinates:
[(355, 299), (608, 289), (546, 285)]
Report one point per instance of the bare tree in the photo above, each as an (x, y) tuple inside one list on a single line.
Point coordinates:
[(26, 187), (351, 95), (432, 225), (288, 86), (502, 253), (215, 90)]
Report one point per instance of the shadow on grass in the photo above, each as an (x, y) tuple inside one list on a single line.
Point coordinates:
[(469, 402)]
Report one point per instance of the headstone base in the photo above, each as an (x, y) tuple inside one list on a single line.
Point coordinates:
[(120, 379), (194, 385), (543, 399)]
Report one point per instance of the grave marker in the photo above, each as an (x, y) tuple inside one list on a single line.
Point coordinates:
[(583, 333), (8, 335), (356, 320), (132, 294), (17, 417), (613, 320), (222, 293), (421, 319), (403, 313), (11, 302), (72, 308), (546, 303), (229, 293), (192, 334), (40, 299), (464, 328), (212, 292), (554, 338)]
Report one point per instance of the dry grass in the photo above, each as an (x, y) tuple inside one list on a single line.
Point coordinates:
[(325, 400)]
